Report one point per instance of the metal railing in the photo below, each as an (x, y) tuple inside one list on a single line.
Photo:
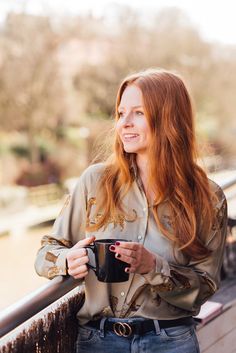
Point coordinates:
[(44, 321), (36, 301), (18, 313)]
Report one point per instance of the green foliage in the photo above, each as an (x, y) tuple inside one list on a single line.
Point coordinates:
[(20, 151)]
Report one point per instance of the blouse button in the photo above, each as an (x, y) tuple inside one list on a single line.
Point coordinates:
[(140, 237), (122, 293)]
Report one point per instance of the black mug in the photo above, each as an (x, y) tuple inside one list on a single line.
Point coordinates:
[(107, 267)]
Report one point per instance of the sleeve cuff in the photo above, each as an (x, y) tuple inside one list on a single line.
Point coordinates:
[(160, 273), (60, 266)]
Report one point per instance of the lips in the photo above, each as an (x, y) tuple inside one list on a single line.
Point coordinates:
[(129, 136)]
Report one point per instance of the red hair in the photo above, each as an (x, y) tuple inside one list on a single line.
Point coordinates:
[(174, 174)]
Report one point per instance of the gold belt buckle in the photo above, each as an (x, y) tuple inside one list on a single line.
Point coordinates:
[(122, 329)]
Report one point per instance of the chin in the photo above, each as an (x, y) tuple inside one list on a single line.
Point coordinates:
[(130, 150)]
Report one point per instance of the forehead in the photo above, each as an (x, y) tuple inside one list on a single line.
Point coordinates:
[(131, 97)]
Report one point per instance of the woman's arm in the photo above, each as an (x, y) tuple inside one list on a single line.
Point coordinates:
[(68, 229), (186, 287)]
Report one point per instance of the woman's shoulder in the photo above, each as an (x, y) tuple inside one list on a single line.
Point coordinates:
[(92, 174), (88, 179), (218, 192), (94, 169)]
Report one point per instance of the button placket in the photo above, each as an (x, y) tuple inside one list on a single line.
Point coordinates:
[(122, 294), (143, 226), (142, 208)]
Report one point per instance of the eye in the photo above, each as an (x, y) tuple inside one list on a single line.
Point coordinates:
[(139, 112), (120, 114)]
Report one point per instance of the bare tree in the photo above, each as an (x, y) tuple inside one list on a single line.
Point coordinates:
[(31, 96)]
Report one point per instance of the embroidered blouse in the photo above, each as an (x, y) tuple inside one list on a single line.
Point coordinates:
[(177, 287)]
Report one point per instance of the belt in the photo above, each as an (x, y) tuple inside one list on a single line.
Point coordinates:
[(128, 328)]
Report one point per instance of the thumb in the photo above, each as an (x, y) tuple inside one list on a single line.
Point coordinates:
[(84, 242)]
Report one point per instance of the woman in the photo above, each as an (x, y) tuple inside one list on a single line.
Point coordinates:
[(152, 193)]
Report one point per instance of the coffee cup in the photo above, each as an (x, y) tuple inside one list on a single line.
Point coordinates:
[(107, 267)]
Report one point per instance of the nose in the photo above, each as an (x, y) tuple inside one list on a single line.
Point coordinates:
[(128, 120)]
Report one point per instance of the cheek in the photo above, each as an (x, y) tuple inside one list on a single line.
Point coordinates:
[(145, 129), (118, 127)]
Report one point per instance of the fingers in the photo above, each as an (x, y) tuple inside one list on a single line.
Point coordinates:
[(77, 258), (77, 267), (126, 250), (81, 275), (133, 254), (78, 262), (76, 253), (84, 242), (130, 260), (127, 245), (79, 272), (123, 251), (128, 255)]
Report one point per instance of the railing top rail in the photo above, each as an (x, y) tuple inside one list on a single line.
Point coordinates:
[(24, 309), (36, 301)]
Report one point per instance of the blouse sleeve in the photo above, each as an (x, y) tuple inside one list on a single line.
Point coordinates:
[(67, 230), (188, 287)]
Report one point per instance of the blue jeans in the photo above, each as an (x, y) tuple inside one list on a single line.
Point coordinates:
[(169, 340)]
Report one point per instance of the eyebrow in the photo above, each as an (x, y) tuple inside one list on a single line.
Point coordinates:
[(135, 106)]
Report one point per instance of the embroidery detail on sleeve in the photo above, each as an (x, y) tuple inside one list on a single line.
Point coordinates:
[(48, 240), (156, 299), (66, 204), (51, 257), (207, 288), (164, 287), (90, 203), (53, 271), (184, 281), (219, 215)]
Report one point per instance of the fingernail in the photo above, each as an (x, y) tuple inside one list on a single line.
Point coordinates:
[(117, 243), (127, 269), (112, 247), (117, 255)]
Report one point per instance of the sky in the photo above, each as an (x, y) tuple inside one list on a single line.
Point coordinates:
[(214, 19)]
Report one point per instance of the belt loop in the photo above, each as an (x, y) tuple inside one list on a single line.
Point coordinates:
[(157, 327), (101, 328)]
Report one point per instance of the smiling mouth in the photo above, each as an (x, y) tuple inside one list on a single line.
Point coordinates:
[(129, 137)]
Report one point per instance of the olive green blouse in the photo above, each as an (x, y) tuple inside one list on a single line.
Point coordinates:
[(176, 288)]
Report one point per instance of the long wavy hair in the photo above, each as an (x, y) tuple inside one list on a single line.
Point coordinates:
[(173, 172)]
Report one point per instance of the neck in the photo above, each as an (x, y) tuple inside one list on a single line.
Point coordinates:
[(142, 164)]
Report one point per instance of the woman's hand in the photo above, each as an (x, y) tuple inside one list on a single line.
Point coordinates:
[(77, 259), (140, 259)]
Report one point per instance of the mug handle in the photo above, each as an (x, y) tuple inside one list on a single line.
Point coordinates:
[(91, 247)]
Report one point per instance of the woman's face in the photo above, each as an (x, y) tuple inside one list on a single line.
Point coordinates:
[(132, 126)]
